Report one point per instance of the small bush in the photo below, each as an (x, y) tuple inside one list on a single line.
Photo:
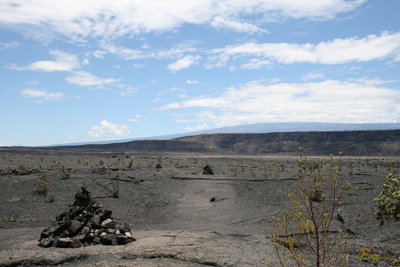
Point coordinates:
[(389, 200), (115, 186), (303, 236), (378, 256), (115, 193), (42, 183), (65, 174)]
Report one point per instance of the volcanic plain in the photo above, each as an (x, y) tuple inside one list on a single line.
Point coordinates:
[(178, 215)]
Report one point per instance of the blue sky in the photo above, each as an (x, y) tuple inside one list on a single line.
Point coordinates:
[(81, 71)]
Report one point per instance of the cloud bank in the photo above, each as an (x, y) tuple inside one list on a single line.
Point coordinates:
[(363, 101), (338, 51), (81, 20)]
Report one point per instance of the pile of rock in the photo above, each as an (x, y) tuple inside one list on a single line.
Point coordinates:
[(207, 170), (86, 223)]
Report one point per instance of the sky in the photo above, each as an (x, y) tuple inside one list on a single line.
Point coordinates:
[(84, 71)]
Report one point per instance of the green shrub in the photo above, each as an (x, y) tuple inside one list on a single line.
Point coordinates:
[(42, 183), (303, 236), (389, 200), (115, 186), (65, 174)]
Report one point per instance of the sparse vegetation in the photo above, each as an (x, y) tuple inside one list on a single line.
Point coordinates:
[(65, 174), (115, 186), (303, 237), (389, 200), (378, 256), (42, 183)]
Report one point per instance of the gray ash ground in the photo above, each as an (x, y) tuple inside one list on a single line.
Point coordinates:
[(179, 216)]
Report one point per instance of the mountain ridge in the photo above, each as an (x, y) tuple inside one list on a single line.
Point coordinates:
[(262, 128), (351, 143)]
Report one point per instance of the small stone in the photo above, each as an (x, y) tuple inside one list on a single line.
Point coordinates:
[(75, 227), (85, 231), (45, 233), (122, 240), (108, 224), (64, 242), (111, 231), (64, 233), (125, 228), (76, 243), (96, 221), (96, 240), (104, 214), (46, 242), (56, 230), (82, 199), (109, 239), (75, 211)]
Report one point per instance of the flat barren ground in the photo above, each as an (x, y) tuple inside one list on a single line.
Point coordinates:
[(179, 216)]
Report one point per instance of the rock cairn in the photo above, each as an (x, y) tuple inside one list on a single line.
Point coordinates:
[(207, 170), (86, 223)]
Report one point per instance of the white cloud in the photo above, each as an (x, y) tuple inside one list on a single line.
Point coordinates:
[(84, 78), (137, 66), (255, 63), (132, 54), (108, 129), (99, 54), (85, 61), (81, 20), (127, 90), (183, 63), (62, 62), (192, 81), (221, 22), (328, 101), (137, 118), (198, 127), (338, 51), (9, 45), (312, 76), (32, 83), (42, 95)]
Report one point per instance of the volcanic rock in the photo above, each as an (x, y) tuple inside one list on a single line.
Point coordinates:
[(108, 223), (207, 170), (86, 223)]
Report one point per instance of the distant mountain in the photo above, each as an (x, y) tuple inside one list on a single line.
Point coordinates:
[(272, 127), (351, 143)]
